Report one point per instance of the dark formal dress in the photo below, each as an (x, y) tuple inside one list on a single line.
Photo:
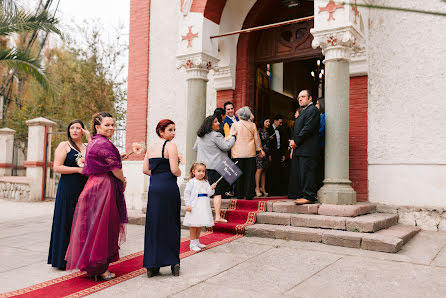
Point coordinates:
[(162, 234), (68, 191), (263, 163), (304, 162)]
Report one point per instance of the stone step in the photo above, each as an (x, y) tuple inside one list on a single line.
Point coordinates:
[(390, 242), (287, 206), (364, 223)]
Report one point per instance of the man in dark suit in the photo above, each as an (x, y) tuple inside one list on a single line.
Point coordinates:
[(277, 147), (305, 144)]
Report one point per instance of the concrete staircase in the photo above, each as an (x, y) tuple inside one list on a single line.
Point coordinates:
[(356, 226)]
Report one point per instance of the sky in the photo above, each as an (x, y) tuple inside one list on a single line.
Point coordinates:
[(110, 13)]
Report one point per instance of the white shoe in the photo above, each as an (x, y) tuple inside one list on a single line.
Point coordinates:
[(201, 245), (195, 248)]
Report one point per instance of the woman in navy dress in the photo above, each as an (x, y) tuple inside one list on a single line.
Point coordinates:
[(68, 162), (162, 234)]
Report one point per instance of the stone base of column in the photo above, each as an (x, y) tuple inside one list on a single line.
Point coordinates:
[(338, 192)]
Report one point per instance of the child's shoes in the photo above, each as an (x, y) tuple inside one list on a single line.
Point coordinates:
[(195, 248), (201, 245)]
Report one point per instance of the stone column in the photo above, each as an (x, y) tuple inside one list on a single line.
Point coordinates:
[(6, 155), (337, 47), (197, 68), (36, 160)]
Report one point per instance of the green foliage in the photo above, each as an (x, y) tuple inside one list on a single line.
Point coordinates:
[(21, 59), (86, 79), (19, 20)]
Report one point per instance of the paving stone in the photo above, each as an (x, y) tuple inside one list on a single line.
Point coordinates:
[(318, 221), (342, 238), (261, 230), (381, 243), (346, 210), (136, 217), (290, 207), (301, 234), (273, 218), (285, 232), (371, 222), (404, 232)]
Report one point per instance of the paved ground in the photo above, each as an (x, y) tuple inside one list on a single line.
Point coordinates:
[(248, 267)]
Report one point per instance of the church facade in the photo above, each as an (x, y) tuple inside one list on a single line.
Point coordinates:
[(381, 72)]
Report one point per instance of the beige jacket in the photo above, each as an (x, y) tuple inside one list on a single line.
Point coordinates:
[(247, 139)]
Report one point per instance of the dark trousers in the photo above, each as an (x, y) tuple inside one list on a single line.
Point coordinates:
[(276, 174), (303, 178), (245, 185)]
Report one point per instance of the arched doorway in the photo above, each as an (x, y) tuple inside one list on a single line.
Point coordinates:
[(273, 65)]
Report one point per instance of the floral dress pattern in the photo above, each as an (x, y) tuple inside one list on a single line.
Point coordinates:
[(263, 163)]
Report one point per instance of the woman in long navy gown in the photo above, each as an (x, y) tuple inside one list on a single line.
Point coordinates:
[(67, 158), (162, 231)]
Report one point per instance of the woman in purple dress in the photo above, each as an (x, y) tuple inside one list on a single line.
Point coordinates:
[(100, 217)]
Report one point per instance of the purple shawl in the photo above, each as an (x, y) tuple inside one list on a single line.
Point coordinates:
[(102, 157)]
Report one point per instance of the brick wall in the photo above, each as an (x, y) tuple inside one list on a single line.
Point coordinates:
[(358, 136), (224, 96), (211, 10), (138, 77)]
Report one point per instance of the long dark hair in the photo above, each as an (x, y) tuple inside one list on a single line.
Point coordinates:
[(219, 112), (97, 120), (206, 127), (262, 124), (70, 140)]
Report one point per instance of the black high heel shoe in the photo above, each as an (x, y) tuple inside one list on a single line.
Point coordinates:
[(151, 272), (175, 270)]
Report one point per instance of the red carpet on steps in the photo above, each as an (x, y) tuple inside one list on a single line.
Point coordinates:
[(239, 214), (242, 213)]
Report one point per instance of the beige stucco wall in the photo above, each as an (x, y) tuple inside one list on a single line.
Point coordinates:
[(407, 105)]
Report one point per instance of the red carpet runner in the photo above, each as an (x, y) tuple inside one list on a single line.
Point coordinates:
[(239, 214)]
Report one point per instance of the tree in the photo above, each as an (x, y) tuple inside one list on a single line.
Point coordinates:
[(86, 78), (19, 59)]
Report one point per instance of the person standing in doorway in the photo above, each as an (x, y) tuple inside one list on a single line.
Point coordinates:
[(277, 152), (230, 117), (305, 144)]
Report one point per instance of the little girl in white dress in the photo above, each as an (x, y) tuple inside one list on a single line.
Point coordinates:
[(198, 205)]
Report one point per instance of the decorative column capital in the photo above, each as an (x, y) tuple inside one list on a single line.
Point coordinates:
[(338, 43), (197, 65)]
